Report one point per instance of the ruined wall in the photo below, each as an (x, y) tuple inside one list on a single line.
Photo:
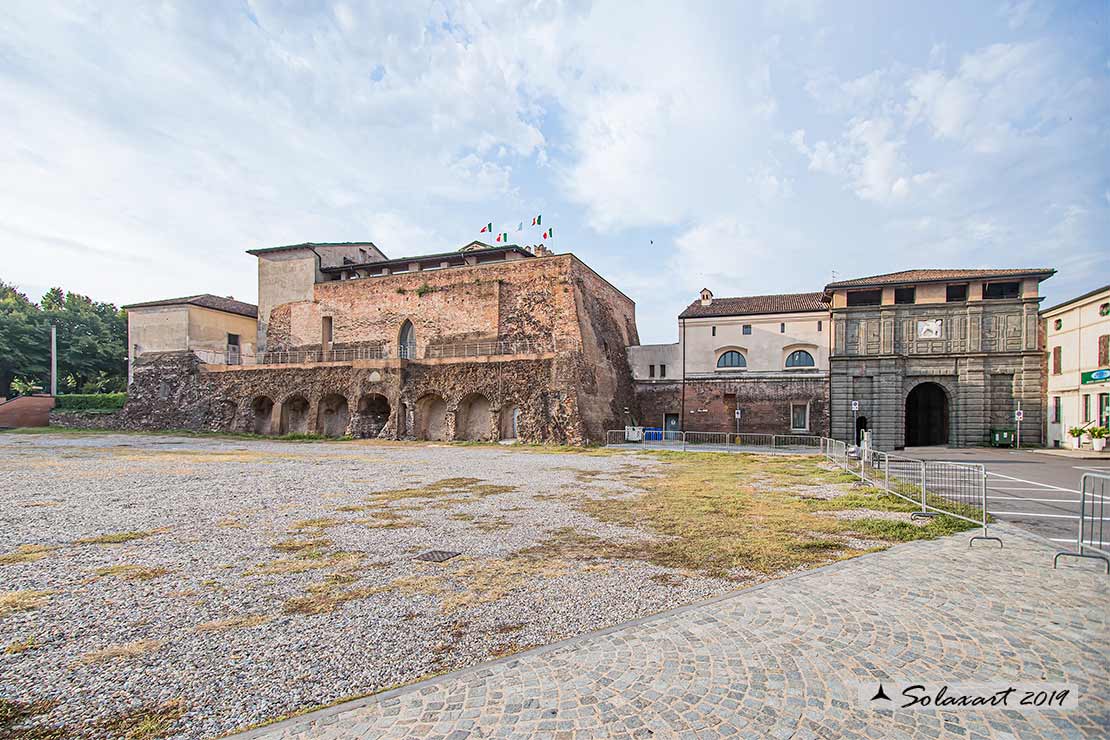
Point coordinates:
[(711, 403)]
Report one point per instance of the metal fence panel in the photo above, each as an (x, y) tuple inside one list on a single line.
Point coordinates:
[(1090, 541)]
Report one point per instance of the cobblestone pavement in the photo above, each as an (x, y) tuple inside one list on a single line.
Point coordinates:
[(783, 660)]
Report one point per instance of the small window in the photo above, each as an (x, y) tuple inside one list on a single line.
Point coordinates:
[(747, 329), (1057, 361), (905, 295), (800, 358), (1058, 324), (325, 330), (819, 325), (1086, 407), (1055, 409), (799, 417), (996, 291), (1104, 350), (732, 358), (662, 371), (232, 340), (865, 297), (955, 293), (714, 331), (651, 371), (782, 328)]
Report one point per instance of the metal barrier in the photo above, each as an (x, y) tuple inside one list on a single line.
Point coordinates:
[(291, 357), (954, 489), (1090, 541), (715, 441)]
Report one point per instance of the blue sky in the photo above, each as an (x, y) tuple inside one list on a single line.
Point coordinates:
[(749, 148)]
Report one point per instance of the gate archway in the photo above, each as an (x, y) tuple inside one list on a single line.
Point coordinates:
[(926, 416)]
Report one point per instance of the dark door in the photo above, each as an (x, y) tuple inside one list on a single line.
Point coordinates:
[(926, 416)]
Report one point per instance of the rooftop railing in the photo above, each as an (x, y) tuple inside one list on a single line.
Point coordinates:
[(379, 352)]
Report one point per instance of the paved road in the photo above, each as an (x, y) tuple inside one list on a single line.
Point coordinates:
[(785, 659), (1037, 491)]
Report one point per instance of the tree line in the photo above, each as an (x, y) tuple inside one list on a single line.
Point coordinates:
[(92, 342)]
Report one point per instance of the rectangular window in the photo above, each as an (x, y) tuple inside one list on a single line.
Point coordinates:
[(818, 325), (1086, 407), (955, 293), (662, 371), (996, 291), (1104, 409), (232, 340), (782, 328), (714, 331), (1104, 350), (325, 331), (799, 417), (865, 297), (1055, 409), (747, 329), (651, 371), (905, 295), (1057, 361)]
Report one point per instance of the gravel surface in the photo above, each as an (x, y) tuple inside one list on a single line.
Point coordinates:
[(200, 616)]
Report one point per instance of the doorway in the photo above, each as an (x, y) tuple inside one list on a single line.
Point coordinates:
[(861, 427), (926, 416), (670, 426)]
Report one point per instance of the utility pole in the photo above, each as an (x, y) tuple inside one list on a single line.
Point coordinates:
[(53, 360)]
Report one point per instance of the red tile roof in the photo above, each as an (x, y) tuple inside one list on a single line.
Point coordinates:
[(927, 276), (204, 300), (756, 304)]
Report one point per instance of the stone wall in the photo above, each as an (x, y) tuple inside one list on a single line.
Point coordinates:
[(711, 403)]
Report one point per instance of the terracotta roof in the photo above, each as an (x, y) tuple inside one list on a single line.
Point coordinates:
[(308, 245), (756, 304), (204, 300), (927, 276)]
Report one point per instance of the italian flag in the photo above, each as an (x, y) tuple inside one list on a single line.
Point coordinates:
[(488, 228), (549, 234), (537, 220), (503, 237)]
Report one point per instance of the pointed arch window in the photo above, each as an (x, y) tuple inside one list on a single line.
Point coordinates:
[(407, 341)]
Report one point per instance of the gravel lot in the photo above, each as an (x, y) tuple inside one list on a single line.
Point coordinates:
[(262, 577)]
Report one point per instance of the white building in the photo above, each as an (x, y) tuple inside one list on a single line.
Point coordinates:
[(1078, 358)]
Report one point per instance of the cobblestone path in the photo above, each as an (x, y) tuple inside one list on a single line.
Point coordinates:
[(783, 660)]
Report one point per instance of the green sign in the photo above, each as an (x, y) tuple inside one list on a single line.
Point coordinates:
[(1101, 375)]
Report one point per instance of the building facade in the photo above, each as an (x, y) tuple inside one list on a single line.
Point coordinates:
[(481, 343), (206, 323), (764, 356), (933, 357), (1077, 368)]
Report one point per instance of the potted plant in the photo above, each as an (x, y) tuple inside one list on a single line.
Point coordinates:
[(1076, 433), (1098, 438)]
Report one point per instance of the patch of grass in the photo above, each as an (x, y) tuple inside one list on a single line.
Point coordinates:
[(896, 531), (866, 498), (386, 519), (21, 646), (232, 623), (26, 554), (454, 487), (308, 560), (132, 572), (295, 545), (124, 650), (318, 524), (145, 722), (15, 716), (22, 601), (114, 538)]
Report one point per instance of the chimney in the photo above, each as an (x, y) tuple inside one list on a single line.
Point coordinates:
[(542, 251), (706, 297)]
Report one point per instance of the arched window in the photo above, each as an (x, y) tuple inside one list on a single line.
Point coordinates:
[(732, 358), (800, 358), (407, 343)]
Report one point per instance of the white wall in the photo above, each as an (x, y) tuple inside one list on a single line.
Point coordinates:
[(1077, 338), (765, 349)]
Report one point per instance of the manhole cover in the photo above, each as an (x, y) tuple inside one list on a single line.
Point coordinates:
[(437, 556)]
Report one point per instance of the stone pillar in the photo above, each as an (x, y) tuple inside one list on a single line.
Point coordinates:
[(449, 424), (888, 420), (275, 418)]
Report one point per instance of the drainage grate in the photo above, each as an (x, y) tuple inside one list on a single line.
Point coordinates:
[(437, 556)]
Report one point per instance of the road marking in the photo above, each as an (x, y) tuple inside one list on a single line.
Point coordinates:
[(1092, 470), (1045, 516), (1044, 500), (1023, 480), (1071, 541)]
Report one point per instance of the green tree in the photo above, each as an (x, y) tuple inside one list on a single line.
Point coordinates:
[(92, 340)]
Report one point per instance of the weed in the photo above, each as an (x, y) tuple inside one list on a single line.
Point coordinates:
[(21, 646), (125, 650), (114, 538), (21, 601), (26, 554), (132, 572), (221, 625)]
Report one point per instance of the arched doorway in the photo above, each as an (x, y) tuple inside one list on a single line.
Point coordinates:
[(472, 418), (861, 427), (262, 411), (431, 418), (294, 415), (406, 341), (373, 413), (333, 416), (926, 416)]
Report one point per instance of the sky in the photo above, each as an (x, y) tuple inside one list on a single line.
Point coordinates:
[(745, 147)]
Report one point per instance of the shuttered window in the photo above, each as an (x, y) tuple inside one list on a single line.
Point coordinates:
[(1104, 350), (1056, 362)]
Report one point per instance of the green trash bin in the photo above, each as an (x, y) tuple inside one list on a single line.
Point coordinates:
[(1002, 437)]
